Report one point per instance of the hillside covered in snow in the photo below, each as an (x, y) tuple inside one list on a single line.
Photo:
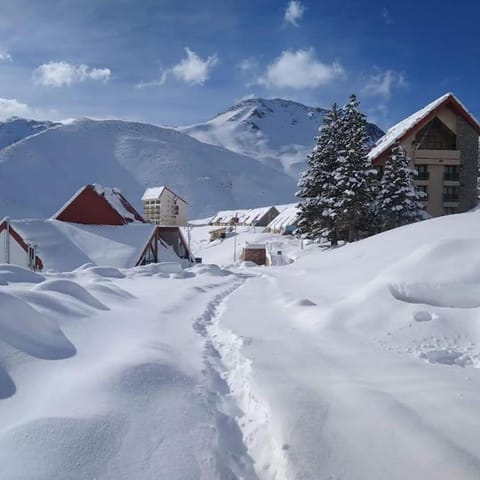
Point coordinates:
[(40, 172), (15, 129), (279, 133)]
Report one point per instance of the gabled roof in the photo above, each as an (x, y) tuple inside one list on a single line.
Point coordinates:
[(287, 217), (66, 246), (154, 193), (97, 205), (419, 119)]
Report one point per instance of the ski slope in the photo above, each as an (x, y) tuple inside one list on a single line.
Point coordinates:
[(354, 363)]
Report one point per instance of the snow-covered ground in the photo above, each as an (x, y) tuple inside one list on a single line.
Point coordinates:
[(352, 363)]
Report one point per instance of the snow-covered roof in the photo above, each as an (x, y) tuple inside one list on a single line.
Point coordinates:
[(256, 214), (64, 246), (154, 193), (398, 131), (113, 196), (244, 216), (288, 216), (227, 216)]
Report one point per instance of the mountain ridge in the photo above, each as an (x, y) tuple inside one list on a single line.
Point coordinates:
[(277, 132)]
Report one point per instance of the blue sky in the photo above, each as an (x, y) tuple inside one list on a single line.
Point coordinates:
[(177, 62)]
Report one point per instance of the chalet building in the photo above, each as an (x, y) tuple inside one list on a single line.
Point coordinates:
[(286, 222), (97, 205), (441, 141), (97, 225), (164, 207)]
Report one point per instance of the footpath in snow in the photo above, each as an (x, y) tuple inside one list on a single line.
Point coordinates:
[(355, 363)]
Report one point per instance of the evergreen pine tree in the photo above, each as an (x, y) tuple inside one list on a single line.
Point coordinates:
[(398, 199), (354, 176), (318, 216)]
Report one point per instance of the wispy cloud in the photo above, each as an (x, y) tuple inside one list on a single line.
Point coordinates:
[(382, 82), (294, 12), (385, 13), (248, 64), (5, 55), (192, 70), (59, 74), (298, 70)]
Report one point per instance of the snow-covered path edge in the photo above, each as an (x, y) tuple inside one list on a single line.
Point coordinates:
[(224, 360)]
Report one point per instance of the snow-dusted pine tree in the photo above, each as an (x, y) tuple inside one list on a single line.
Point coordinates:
[(398, 200), (354, 176), (317, 188)]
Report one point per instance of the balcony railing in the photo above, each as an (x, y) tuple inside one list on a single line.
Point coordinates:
[(451, 177), (422, 176)]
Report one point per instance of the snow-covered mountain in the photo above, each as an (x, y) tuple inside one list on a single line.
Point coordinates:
[(39, 173), (15, 128), (279, 133)]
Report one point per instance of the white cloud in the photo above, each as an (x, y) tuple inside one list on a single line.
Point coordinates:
[(9, 107), (193, 70), (58, 74), (294, 12), (300, 69), (5, 55), (381, 83)]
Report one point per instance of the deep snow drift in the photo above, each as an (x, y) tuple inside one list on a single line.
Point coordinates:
[(354, 363), (131, 156)]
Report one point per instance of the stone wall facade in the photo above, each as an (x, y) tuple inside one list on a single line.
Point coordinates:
[(467, 143)]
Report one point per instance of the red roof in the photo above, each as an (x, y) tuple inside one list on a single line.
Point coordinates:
[(97, 205)]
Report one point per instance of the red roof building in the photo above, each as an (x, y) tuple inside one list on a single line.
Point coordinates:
[(97, 205)]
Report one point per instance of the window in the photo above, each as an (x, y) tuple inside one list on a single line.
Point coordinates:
[(436, 136), (422, 172), (450, 194), (449, 210), (451, 172), (176, 209), (424, 190)]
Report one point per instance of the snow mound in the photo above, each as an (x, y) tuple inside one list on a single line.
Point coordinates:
[(72, 289), (107, 272), (27, 330), (15, 274), (440, 295)]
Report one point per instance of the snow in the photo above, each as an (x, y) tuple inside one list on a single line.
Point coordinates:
[(153, 193), (244, 216), (286, 218), (66, 246), (356, 363), (114, 197), (131, 156), (278, 133)]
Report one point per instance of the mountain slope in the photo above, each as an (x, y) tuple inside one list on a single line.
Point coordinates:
[(279, 133), (15, 129), (39, 173)]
